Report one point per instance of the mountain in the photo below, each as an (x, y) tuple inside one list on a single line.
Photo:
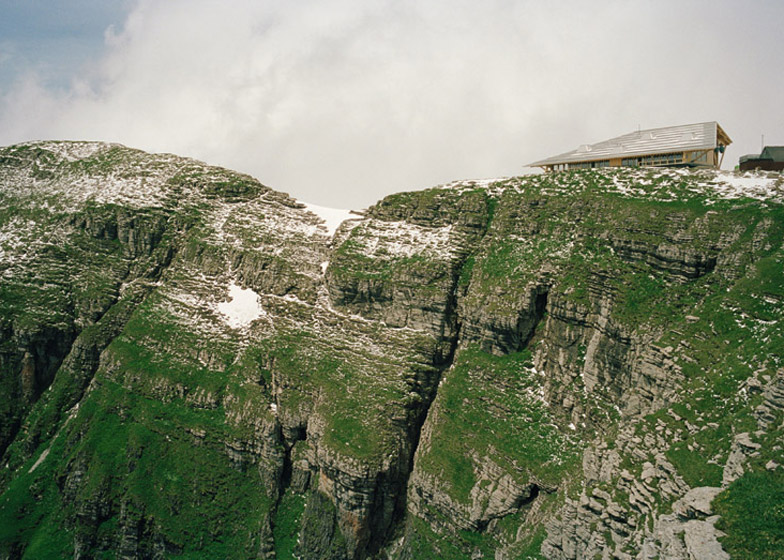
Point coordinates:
[(575, 365)]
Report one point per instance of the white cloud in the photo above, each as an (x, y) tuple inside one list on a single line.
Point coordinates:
[(340, 102)]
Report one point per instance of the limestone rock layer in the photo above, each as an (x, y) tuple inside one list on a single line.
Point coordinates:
[(577, 365)]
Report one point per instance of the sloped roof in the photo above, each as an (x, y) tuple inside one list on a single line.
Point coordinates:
[(700, 136), (748, 157), (776, 153)]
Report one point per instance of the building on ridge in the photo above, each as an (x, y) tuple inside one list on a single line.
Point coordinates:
[(770, 159), (690, 145)]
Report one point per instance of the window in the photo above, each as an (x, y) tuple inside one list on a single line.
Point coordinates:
[(695, 157), (653, 160), (590, 164)]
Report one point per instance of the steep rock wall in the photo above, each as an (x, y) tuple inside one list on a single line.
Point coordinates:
[(549, 365)]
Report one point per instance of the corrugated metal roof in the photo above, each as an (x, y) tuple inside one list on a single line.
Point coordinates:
[(700, 136)]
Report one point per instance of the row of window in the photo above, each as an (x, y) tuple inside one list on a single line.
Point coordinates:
[(582, 165), (657, 159), (702, 158), (675, 158)]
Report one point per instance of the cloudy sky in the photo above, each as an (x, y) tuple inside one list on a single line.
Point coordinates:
[(340, 102)]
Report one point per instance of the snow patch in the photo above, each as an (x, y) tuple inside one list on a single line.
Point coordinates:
[(73, 151), (387, 240), (749, 185), (40, 460), (474, 183), (243, 307), (332, 217)]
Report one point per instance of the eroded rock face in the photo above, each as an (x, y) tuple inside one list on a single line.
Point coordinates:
[(485, 369)]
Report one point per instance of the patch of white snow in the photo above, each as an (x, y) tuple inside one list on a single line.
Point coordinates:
[(403, 239), (243, 307), (332, 217), (40, 460), (733, 186), (73, 151), (474, 183)]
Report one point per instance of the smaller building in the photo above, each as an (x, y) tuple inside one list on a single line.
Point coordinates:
[(770, 159), (691, 145)]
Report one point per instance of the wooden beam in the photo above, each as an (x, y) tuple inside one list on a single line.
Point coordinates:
[(721, 136)]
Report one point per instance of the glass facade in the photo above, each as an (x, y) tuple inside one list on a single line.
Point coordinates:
[(675, 158), (670, 159), (589, 164), (699, 158)]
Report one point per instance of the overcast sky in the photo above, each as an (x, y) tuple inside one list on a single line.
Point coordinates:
[(340, 102)]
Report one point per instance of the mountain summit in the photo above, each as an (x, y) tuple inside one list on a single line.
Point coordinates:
[(584, 364)]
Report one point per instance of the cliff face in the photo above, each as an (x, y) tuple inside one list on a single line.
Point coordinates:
[(579, 365)]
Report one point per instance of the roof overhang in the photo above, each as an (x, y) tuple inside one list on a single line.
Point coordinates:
[(722, 138), (690, 137)]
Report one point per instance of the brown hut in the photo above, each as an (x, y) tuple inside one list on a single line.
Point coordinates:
[(770, 159)]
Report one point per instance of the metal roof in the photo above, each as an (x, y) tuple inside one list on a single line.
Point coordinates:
[(776, 153), (748, 157), (700, 136), (772, 153)]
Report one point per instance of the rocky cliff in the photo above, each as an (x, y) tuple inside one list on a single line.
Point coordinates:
[(577, 365)]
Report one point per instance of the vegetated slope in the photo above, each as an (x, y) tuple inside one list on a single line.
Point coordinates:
[(561, 366)]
